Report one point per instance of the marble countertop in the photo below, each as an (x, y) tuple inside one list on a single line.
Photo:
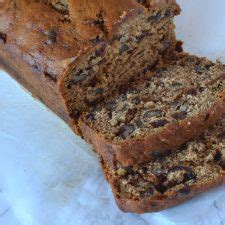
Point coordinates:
[(50, 176)]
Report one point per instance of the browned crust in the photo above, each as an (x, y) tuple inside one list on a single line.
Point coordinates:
[(112, 13), (154, 205), (142, 149), (161, 202), (26, 56), (41, 88)]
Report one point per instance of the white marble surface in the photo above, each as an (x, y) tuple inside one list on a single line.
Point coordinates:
[(49, 176)]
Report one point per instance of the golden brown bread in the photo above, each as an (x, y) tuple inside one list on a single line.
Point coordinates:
[(62, 51)]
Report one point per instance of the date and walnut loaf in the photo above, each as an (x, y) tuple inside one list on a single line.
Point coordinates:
[(192, 169), (71, 54), (105, 64), (171, 105)]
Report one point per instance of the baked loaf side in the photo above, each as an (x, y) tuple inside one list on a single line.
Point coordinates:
[(36, 48), (66, 56), (173, 104), (193, 168)]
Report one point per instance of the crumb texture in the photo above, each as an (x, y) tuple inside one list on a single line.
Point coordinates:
[(196, 163), (167, 95)]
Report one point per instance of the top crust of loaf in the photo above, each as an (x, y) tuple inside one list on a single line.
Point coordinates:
[(50, 41), (109, 13), (42, 39)]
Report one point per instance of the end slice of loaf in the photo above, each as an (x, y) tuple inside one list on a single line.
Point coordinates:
[(192, 169), (155, 115)]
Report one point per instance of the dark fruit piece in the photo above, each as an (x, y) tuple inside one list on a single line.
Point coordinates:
[(129, 170), (126, 130), (155, 17), (147, 193), (90, 117), (218, 156), (207, 117), (99, 52), (96, 40), (75, 114), (52, 36), (160, 188), (185, 190), (147, 68), (179, 115), (222, 135), (139, 123), (141, 36), (156, 154), (159, 123), (176, 85), (123, 49), (165, 46), (51, 76), (123, 97), (222, 164), (152, 113), (175, 104), (98, 91), (3, 37), (200, 69), (168, 13), (78, 77), (189, 175), (111, 105), (136, 100)]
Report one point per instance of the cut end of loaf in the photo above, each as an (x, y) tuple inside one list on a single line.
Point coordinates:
[(116, 62), (153, 186)]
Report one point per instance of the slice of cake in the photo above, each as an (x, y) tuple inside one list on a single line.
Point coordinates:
[(157, 114), (193, 168)]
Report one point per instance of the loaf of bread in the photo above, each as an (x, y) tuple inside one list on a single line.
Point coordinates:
[(71, 54), (192, 169), (113, 67), (172, 105)]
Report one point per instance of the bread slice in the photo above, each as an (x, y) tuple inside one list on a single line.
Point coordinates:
[(172, 105), (72, 54), (193, 168)]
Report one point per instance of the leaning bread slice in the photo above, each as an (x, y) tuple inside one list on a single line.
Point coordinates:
[(168, 181), (174, 104)]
